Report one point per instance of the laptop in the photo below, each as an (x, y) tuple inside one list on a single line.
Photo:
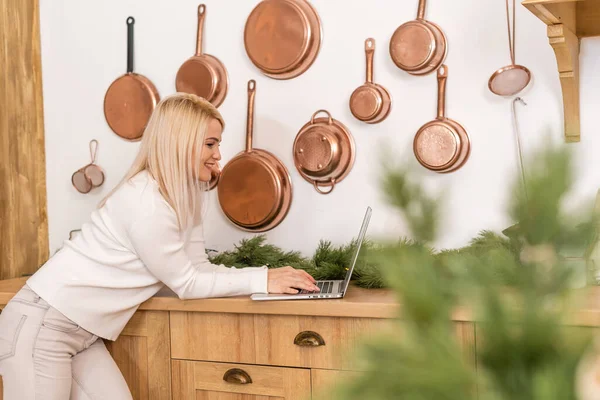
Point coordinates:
[(334, 289)]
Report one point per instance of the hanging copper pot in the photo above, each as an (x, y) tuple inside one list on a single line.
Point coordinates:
[(202, 74), (283, 37), (442, 145), (324, 152), (419, 47), (130, 99), (371, 102), (255, 187)]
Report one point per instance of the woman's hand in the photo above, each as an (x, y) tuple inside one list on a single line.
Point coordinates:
[(289, 280)]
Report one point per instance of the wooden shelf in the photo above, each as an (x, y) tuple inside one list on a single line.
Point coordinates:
[(568, 21)]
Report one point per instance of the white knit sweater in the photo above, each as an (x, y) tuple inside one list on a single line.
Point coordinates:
[(132, 248)]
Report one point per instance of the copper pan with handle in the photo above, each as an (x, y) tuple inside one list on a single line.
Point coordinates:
[(203, 74), (370, 102), (419, 47), (130, 99), (442, 145), (255, 187)]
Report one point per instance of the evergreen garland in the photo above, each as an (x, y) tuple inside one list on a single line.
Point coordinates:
[(524, 351)]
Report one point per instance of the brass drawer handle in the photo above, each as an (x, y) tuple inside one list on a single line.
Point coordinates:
[(236, 375), (309, 339)]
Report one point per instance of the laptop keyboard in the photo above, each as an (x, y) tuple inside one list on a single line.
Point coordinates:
[(324, 286)]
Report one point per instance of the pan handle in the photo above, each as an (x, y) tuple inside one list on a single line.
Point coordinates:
[(421, 11), (250, 117), (330, 120), (201, 15), (130, 22), (442, 74), (331, 183), (369, 50)]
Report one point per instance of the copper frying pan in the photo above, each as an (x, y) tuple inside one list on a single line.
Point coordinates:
[(283, 37), (442, 145), (370, 102), (255, 188), (419, 47), (130, 99), (202, 74)]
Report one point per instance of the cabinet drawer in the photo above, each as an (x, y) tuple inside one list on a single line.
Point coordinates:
[(208, 380), (213, 337), (312, 342)]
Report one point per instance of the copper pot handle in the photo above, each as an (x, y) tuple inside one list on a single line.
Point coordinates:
[(201, 15), (238, 376), (309, 339), (421, 12), (331, 183), (250, 117), (442, 74), (369, 50), (330, 121)]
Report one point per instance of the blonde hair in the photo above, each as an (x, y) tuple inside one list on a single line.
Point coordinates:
[(169, 151)]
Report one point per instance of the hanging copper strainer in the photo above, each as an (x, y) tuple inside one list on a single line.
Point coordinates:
[(512, 79)]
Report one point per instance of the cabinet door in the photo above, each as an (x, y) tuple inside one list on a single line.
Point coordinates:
[(143, 355), (198, 380)]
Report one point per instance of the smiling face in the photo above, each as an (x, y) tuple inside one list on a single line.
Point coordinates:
[(210, 150)]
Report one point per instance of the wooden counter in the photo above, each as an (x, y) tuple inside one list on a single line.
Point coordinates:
[(290, 350)]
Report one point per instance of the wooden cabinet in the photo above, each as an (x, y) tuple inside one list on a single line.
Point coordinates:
[(285, 356), (143, 355)]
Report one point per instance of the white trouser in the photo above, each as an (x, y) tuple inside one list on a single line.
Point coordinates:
[(46, 356)]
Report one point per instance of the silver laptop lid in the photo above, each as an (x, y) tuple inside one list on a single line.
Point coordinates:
[(361, 237)]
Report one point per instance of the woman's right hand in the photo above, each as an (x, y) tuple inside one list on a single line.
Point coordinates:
[(288, 280)]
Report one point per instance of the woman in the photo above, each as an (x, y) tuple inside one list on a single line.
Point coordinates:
[(145, 234)]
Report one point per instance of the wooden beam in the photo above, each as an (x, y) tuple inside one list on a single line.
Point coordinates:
[(23, 216)]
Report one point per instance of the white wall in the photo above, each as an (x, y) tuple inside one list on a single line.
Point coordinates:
[(84, 49)]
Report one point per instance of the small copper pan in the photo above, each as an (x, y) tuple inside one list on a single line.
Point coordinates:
[(324, 152), (442, 145), (371, 102), (419, 47), (202, 74), (130, 99), (283, 37), (255, 187)]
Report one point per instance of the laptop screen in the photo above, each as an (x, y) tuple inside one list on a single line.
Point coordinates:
[(361, 237)]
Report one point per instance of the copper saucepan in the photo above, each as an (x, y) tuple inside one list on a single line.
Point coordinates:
[(202, 74), (442, 145), (324, 152), (255, 187), (130, 99), (419, 47), (371, 102), (283, 37)]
